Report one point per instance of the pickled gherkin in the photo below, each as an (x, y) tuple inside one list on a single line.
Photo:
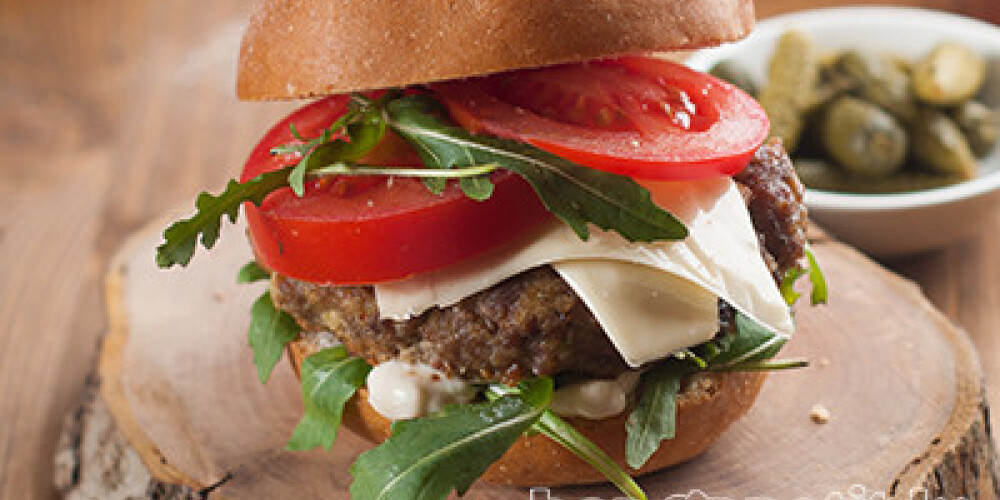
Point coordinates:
[(949, 74), (938, 144), (817, 174), (865, 121), (990, 93), (863, 139), (881, 81), (981, 126), (793, 75)]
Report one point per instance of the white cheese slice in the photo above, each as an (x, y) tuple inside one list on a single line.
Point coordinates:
[(651, 313), (652, 299)]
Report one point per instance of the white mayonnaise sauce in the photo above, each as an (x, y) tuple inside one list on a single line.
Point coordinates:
[(401, 391), (595, 399)]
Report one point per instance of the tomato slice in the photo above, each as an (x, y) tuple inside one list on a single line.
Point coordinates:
[(637, 116), (362, 230)]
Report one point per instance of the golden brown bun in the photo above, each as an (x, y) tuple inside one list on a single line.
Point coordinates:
[(705, 409), (303, 48)]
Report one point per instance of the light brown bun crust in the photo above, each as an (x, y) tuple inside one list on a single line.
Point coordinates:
[(705, 409), (304, 48)]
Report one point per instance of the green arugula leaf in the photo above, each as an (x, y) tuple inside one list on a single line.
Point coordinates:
[(566, 435), (655, 417), (330, 378), (362, 124), (558, 430), (427, 458), (751, 342), (364, 130), (820, 293), (787, 285), (769, 365), (251, 272), (296, 178), (578, 195), (356, 169), (478, 188), (435, 185), (270, 331), (181, 238)]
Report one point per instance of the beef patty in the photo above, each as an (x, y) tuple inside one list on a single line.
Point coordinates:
[(532, 323)]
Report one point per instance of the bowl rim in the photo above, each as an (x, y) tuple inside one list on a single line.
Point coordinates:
[(833, 16)]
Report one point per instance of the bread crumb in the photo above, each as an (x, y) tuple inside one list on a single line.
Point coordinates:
[(819, 414), (824, 362)]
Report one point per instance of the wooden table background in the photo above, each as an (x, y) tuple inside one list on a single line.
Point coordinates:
[(113, 111)]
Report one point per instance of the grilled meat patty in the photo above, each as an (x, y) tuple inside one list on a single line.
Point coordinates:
[(533, 323)]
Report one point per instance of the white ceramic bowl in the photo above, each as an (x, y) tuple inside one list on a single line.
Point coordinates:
[(892, 224)]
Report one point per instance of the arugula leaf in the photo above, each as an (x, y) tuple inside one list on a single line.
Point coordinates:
[(820, 293), (435, 185), (578, 195), (251, 272), (769, 365), (426, 458), (364, 126), (357, 169), (270, 331), (751, 342), (478, 188), (655, 417), (296, 178), (364, 130), (787, 285), (558, 430), (181, 237), (330, 378), (566, 435)]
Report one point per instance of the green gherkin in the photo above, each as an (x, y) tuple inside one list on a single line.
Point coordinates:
[(793, 75)]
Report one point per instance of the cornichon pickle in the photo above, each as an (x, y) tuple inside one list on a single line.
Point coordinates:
[(880, 81), (736, 75), (938, 143), (990, 93), (862, 138), (949, 74), (981, 126), (826, 177), (792, 76), (832, 86)]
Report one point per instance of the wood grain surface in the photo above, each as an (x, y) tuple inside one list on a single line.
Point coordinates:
[(111, 112)]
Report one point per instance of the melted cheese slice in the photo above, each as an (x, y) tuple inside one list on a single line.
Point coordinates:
[(652, 299)]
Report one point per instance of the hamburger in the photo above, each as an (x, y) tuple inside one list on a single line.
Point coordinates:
[(508, 241)]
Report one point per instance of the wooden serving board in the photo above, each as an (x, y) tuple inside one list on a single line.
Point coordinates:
[(902, 385)]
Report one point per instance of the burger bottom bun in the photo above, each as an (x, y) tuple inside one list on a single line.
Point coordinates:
[(707, 405)]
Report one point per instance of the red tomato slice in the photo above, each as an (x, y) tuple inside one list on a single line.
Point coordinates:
[(361, 230), (637, 116)]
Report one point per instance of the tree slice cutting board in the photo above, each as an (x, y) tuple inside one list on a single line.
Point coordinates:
[(902, 386)]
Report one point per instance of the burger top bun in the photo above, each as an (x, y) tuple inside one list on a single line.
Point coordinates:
[(305, 48)]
